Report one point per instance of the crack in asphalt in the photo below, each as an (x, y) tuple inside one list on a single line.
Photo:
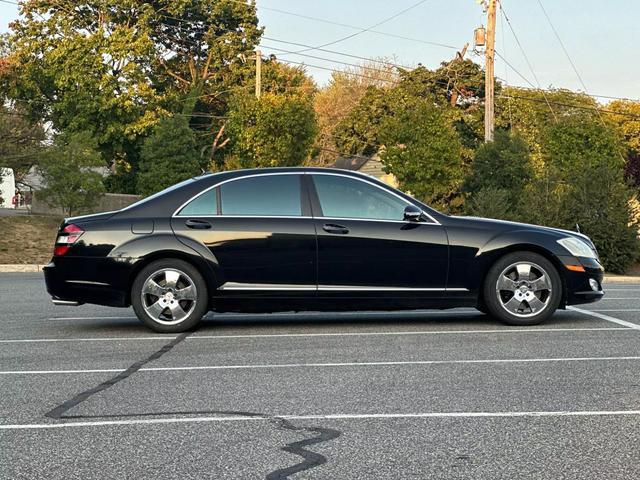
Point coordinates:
[(60, 410), (310, 459)]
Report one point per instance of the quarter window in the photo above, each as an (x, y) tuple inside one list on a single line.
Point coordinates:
[(205, 204), (264, 195), (343, 197)]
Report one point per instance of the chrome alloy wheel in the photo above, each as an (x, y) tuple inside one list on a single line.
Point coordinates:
[(169, 296), (524, 289)]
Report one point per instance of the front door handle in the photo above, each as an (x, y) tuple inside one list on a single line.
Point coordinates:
[(198, 224), (335, 229)]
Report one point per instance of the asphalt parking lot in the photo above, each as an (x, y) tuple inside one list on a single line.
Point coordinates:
[(87, 393)]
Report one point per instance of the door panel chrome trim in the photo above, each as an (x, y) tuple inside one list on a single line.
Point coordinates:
[(228, 286), (235, 286)]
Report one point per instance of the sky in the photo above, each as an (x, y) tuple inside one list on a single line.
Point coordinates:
[(600, 37)]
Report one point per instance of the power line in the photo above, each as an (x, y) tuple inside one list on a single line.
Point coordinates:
[(344, 54), (364, 67), (368, 29), (504, 13)]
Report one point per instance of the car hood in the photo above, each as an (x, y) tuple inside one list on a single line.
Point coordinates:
[(528, 226)]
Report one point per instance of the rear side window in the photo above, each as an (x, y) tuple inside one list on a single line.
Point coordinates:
[(265, 195), (205, 204)]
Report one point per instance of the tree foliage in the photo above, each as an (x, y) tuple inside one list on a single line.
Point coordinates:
[(341, 96), (583, 184), (422, 150), (277, 130), (20, 141), (72, 172), (115, 67), (530, 112), (499, 172), (168, 156), (625, 116)]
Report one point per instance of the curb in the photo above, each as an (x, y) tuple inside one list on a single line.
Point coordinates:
[(38, 268), (21, 268)]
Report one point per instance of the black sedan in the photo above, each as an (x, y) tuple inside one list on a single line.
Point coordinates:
[(312, 239)]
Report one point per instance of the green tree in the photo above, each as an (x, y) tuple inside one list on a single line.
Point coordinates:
[(115, 67), (625, 116), (423, 151), (20, 141), (343, 93), (168, 156), (275, 131), (72, 170), (499, 172), (583, 184)]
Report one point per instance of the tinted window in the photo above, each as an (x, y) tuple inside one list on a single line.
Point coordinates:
[(277, 195), (344, 197), (205, 204)]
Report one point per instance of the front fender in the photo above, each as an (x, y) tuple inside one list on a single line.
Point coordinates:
[(543, 243)]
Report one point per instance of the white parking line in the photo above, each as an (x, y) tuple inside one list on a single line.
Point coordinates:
[(608, 318), (339, 416), (311, 335), (323, 365), (618, 298)]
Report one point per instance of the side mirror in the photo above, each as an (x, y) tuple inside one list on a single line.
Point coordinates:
[(412, 213)]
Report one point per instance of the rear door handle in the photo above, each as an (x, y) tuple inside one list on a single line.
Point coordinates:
[(198, 224), (335, 229)]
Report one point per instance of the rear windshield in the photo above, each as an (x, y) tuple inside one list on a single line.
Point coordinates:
[(162, 192)]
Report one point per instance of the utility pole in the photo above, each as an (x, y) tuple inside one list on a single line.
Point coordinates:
[(258, 74), (489, 81)]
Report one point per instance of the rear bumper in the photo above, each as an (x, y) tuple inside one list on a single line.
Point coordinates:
[(74, 281)]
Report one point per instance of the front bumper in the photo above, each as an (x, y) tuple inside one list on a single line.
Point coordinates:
[(579, 289)]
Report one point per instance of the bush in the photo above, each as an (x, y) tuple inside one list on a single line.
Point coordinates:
[(503, 164), (491, 202), (168, 156)]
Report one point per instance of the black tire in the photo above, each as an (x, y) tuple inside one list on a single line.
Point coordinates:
[(192, 308), (495, 301)]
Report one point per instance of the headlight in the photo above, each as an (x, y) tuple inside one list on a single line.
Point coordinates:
[(577, 248)]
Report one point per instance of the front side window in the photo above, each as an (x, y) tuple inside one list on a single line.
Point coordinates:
[(344, 197), (205, 204), (264, 195)]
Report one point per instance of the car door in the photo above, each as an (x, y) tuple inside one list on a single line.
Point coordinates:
[(365, 245), (260, 231)]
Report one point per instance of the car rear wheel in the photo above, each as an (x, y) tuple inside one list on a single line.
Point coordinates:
[(523, 288), (169, 296)]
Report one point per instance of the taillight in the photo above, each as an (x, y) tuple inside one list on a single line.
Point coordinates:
[(67, 237)]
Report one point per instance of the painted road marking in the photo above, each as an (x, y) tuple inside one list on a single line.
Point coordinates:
[(340, 416), (323, 365), (608, 318), (328, 334)]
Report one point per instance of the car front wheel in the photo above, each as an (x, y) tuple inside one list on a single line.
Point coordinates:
[(523, 288), (169, 296)]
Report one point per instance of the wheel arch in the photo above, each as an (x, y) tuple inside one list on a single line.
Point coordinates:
[(196, 261), (489, 258)]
